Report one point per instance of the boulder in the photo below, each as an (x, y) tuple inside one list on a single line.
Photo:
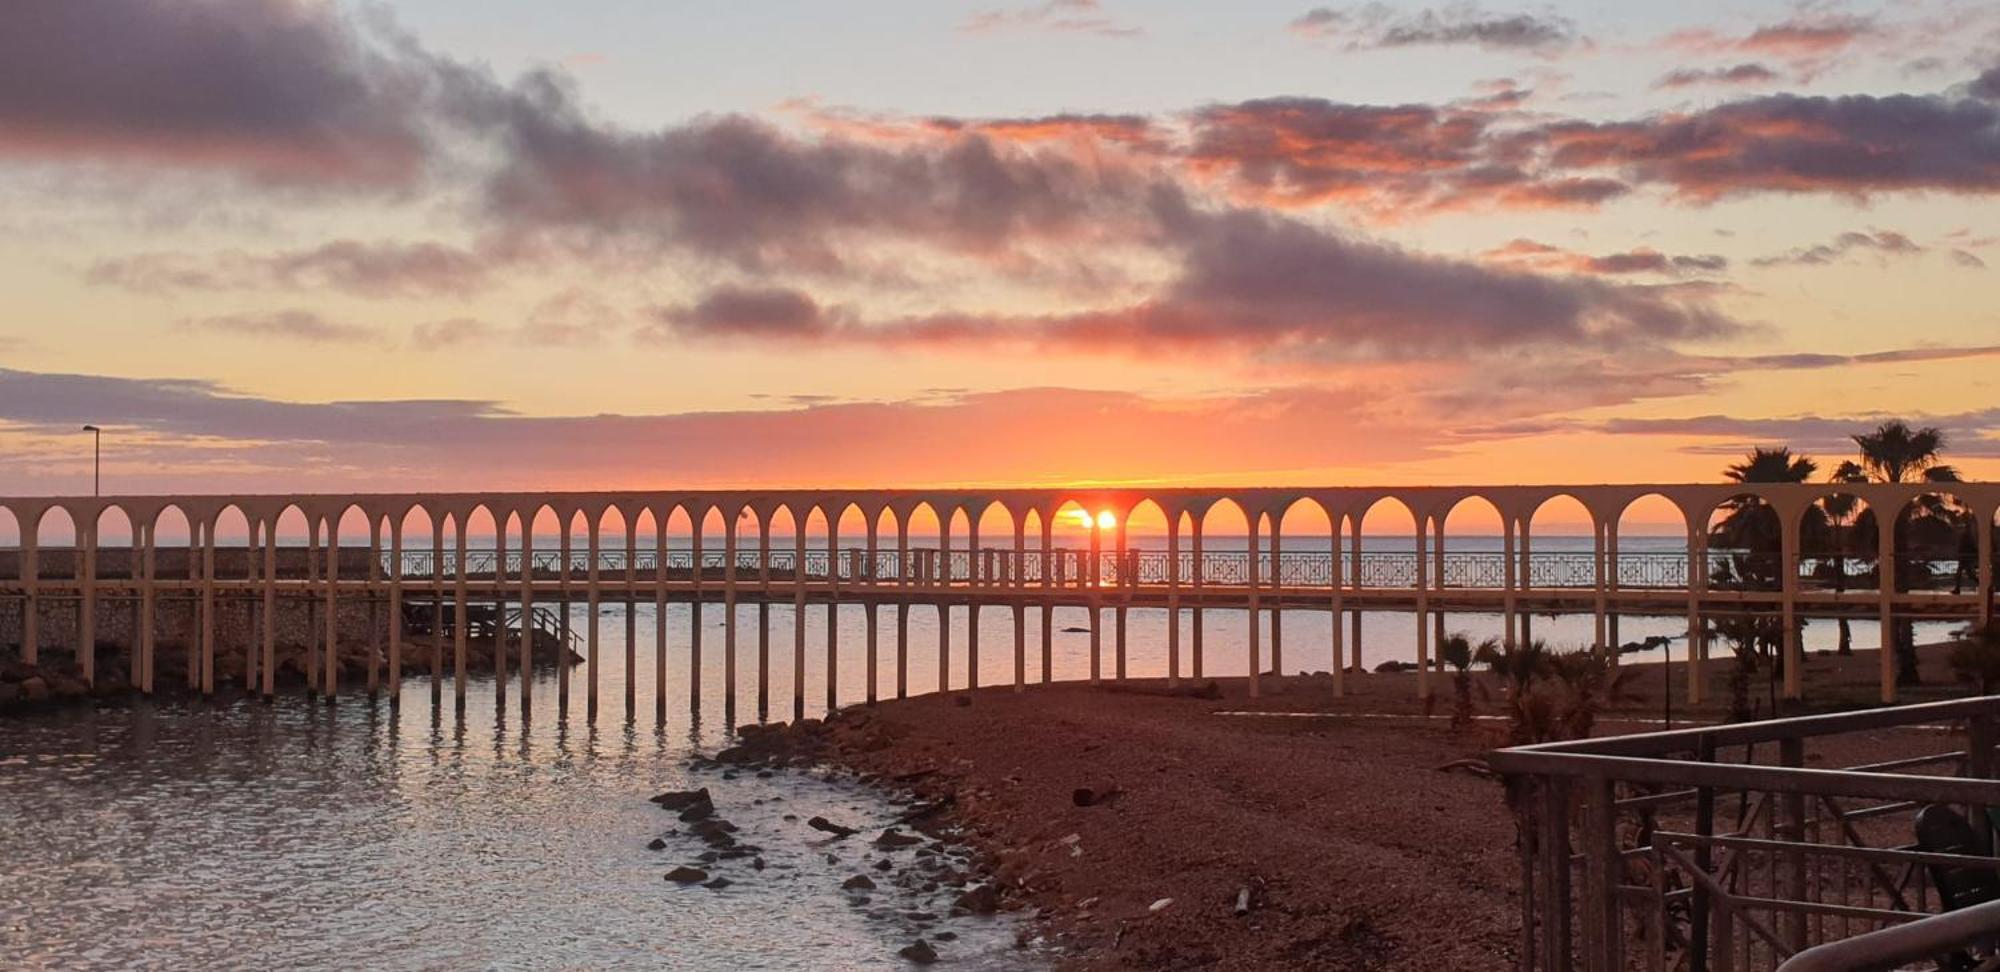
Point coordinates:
[(34, 689), (828, 826), (919, 951), (981, 900), (683, 799), (893, 838), (687, 875), (859, 882)]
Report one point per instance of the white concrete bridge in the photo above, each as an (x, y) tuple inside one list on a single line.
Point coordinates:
[(720, 547)]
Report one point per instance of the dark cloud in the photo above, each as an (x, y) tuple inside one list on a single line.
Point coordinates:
[(1803, 37), (1973, 434), (1857, 145), (1987, 85), (1378, 25), (1880, 242), (1741, 74), (370, 269), (1263, 286), (280, 91), (288, 325)]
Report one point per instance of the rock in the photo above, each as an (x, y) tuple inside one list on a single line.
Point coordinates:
[(962, 701), (698, 811), (1074, 629), (893, 838), (687, 875), (657, 843), (828, 826), (34, 689), (1160, 905), (919, 951), (1094, 796), (981, 900), (719, 883), (859, 882), (757, 864), (683, 799), (884, 864)]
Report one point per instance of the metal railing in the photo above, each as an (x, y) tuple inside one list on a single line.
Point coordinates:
[(1719, 848)]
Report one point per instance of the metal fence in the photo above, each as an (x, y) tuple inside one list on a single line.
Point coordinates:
[(1720, 848)]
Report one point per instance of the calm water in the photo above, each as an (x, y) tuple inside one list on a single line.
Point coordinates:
[(298, 836)]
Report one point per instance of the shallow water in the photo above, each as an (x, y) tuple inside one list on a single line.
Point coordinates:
[(294, 835)]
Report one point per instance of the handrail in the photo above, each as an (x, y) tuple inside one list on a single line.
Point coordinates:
[(1891, 948), (1767, 730)]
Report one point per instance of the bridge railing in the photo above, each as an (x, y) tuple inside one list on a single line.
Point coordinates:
[(1736, 847)]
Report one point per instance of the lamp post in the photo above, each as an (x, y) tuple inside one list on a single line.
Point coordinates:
[(96, 459)]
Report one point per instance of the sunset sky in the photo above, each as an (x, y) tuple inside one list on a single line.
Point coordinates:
[(291, 245)]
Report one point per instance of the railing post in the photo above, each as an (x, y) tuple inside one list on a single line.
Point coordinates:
[(1555, 867), (1605, 934), (1792, 811), (1704, 826)]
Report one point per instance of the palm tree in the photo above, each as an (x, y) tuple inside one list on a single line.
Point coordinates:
[(1772, 466), (1841, 522), (1750, 530), (1896, 453), (1458, 652)]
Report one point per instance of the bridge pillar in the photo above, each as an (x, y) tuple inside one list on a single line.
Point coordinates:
[(1509, 585), (1886, 568), (31, 601), (145, 631), (1017, 580), (1423, 609), (1093, 578), (527, 659), (1697, 649), (593, 592), (374, 605), (695, 518), (660, 518), (1277, 597), (729, 688), (1336, 580), (799, 616), (329, 650), (1194, 615), (871, 581), (395, 613), (566, 551), (1253, 575), (86, 608), (500, 611), (1173, 599), (1048, 608), (1794, 652), (632, 618)]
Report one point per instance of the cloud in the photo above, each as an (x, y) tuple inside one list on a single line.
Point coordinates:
[(451, 333), (1378, 25), (1972, 434), (1748, 73), (1263, 286), (277, 91), (1968, 259), (1067, 16), (1542, 256), (1855, 145), (382, 268), (1802, 37), (287, 325), (1885, 243)]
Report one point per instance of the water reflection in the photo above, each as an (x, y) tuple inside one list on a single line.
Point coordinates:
[(303, 835)]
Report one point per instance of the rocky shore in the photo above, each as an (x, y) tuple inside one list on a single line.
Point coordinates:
[(1137, 829)]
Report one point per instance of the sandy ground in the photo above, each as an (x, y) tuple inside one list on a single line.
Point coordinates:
[(1358, 850)]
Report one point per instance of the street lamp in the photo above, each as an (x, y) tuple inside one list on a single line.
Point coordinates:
[(96, 459)]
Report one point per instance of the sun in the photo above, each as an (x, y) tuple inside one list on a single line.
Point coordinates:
[(1103, 520)]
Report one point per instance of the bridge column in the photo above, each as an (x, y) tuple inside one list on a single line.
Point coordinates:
[(728, 616), (1277, 595), (871, 579), (330, 651), (374, 608), (1199, 567), (1123, 593), (1985, 527), (395, 613), (143, 633), (1598, 553), (565, 551), (1336, 580), (527, 660), (1423, 609), (1697, 650), (975, 579), (799, 616), (902, 604), (437, 612), (1093, 578), (695, 518), (310, 595), (1612, 639), (660, 518), (1437, 576), (1526, 618), (1253, 575), (458, 620), (593, 594), (1048, 596), (31, 582), (86, 620), (1356, 579), (1017, 581), (943, 580), (500, 518), (832, 610), (1509, 584), (1173, 599), (764, 615)]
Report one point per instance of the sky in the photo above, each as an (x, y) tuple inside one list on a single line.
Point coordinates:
[(289, 245)]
